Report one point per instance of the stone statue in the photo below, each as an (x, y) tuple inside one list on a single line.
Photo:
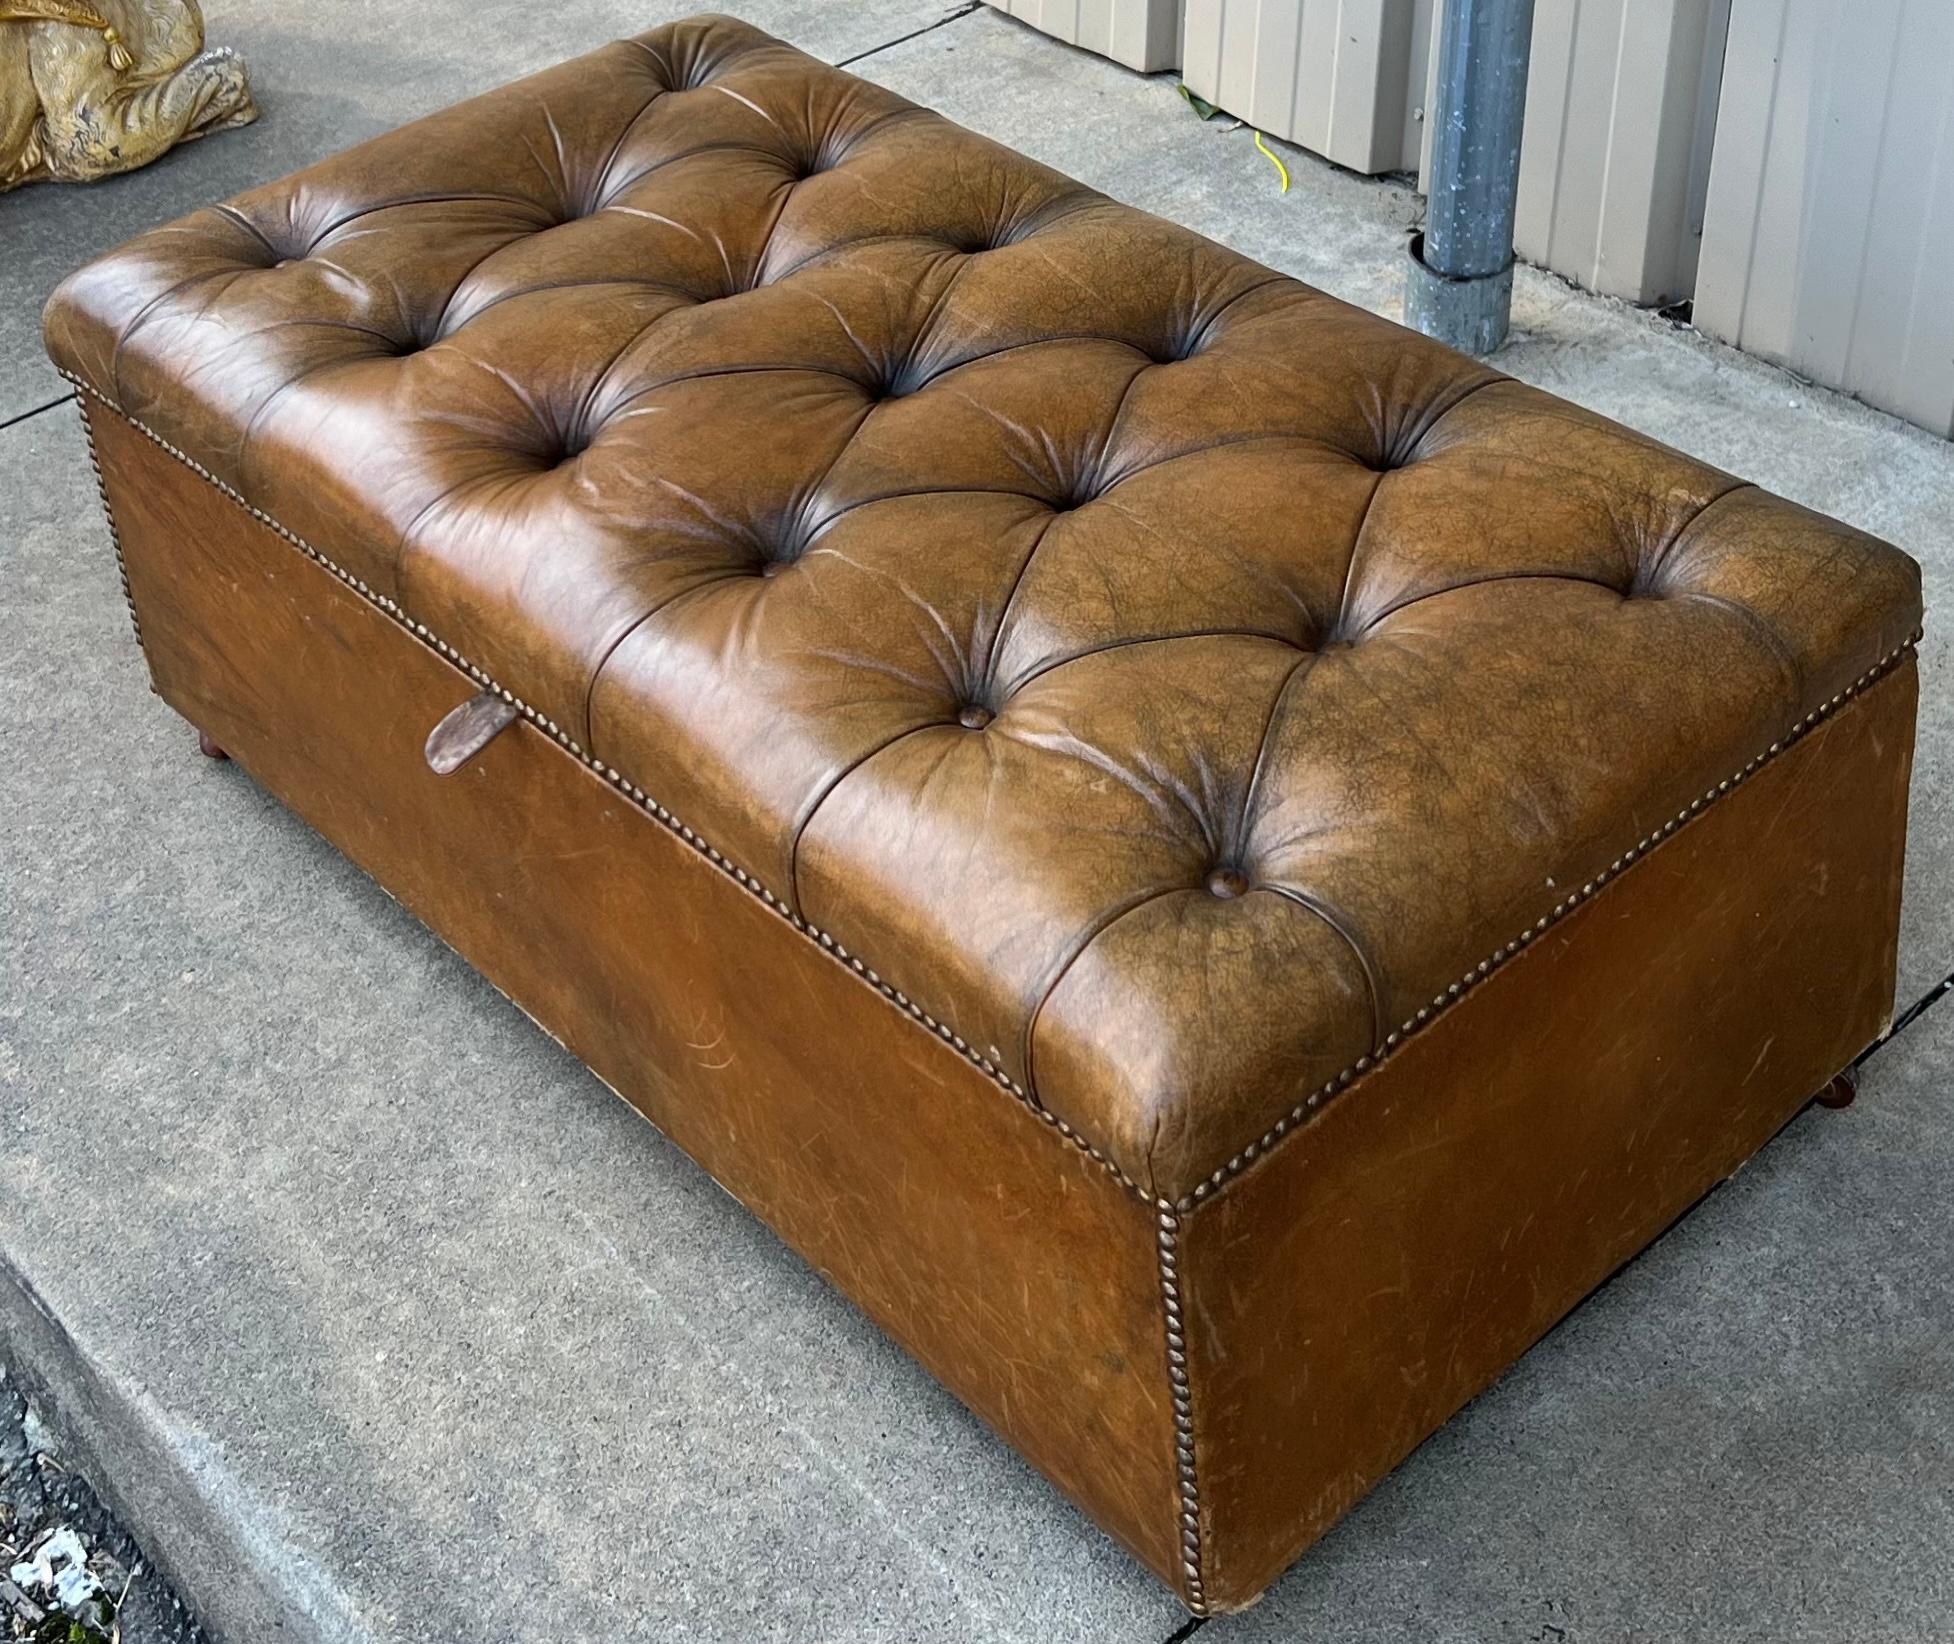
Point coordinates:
[(89, 88)]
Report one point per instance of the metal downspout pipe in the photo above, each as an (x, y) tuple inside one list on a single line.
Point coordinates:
[(1459, 281)]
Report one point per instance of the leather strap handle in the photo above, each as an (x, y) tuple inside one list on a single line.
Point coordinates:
[(464, 733)]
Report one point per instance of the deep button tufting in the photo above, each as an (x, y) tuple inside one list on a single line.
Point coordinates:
[(1482, 711), (1649, 580), (897, 380), (979, 238), (399, 347), (1389, 451), (777, 551), (1172, 352), (1227, 883), (1083, 489), (253, 247), (568, 445), (696, 75), (809, 163), (731, 285)]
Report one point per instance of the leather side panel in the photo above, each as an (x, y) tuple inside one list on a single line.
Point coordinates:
[(1381, 1266), (1012, 1265)]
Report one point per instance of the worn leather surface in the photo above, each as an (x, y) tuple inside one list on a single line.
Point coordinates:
[(1170, 676), (1014, 1267), (1358, 1284)]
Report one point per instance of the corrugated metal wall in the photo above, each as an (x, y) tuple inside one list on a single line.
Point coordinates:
[(1142, 34), (1621, 105), (1621, 101), (1828, 244), (1614, 165), (1340, 77), (1789, 163)]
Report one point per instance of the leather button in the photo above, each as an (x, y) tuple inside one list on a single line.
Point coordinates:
[(974, 717), (1227, 883)]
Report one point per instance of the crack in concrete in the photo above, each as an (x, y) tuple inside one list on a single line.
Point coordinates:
[(913, 34), (24, 415), (1908, 1017)]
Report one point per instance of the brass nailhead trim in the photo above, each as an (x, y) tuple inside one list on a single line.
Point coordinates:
[(108, 513), (1186, 1482)]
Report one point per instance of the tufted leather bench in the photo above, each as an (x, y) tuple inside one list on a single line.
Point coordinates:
[(1214, 864)]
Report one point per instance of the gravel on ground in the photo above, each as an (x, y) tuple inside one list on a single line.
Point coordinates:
[(69, 1573)]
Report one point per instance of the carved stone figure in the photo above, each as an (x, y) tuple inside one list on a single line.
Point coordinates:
[(89, 88)]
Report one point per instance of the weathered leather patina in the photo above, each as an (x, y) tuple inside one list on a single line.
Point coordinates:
[(1185, 813)]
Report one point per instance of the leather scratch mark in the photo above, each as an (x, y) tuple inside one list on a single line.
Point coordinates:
[(1763, 1050), (697, 1041)]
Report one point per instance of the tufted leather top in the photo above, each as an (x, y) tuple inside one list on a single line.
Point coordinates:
[(1171, 679)]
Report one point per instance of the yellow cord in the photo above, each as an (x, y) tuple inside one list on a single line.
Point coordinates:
[(1274, 160)]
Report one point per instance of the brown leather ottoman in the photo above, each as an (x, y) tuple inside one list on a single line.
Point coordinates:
[(1215, 865)]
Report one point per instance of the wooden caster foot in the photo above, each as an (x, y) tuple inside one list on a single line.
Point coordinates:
[(1840, 1092), (208, 748)]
